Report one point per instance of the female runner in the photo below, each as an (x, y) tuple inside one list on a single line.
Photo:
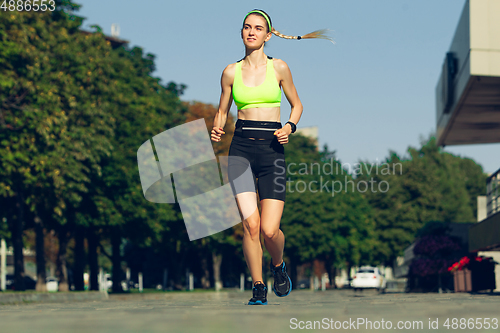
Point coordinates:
[(255, 84)]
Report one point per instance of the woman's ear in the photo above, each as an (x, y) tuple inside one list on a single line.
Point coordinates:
[(269, 35)]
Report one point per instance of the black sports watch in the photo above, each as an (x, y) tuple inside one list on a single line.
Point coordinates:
[(294, 127)]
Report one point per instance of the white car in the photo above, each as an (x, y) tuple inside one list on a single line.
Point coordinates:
[(52, 283), (369, 277), (109, 282)]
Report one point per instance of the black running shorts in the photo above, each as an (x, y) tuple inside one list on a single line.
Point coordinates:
[(255, 142)]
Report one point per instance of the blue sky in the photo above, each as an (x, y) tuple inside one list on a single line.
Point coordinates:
[(371, 92)]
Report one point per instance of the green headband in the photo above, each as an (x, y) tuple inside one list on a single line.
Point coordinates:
[(263, 14)]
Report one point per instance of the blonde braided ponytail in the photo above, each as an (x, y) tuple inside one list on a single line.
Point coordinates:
[(321, 34), (315, 34)]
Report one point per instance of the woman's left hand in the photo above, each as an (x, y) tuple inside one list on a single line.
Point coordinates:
[(283, 133)]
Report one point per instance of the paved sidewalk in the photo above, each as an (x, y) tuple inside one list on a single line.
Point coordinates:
[(228, 312), (56, 297)]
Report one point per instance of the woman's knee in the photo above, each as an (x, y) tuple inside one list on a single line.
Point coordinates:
[(270, 233), (252, 228)]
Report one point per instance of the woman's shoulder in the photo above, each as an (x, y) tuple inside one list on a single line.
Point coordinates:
[(229, 70), (280, 65), (228, 74)]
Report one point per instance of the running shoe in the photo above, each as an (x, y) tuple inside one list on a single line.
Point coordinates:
[(259, 295), (282, 282)]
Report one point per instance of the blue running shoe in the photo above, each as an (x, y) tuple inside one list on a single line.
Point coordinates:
[(282, 282), (259, 295)]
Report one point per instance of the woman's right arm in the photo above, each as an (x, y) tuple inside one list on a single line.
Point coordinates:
[(226, 99)]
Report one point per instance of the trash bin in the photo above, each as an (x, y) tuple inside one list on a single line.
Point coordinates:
[(462, 280), (477, 276)]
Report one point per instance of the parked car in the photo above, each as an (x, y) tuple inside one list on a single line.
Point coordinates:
[(369, 277), (9, 281), (52, 283), (304, 284), (29, 283), (109, 281), (347, 283), (131, 284)]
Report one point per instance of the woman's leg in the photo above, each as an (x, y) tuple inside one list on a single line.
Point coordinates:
[(274, 239), (252, 247)]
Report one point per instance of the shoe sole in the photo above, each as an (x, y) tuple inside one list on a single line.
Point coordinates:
[(257, 303), (289, 291)]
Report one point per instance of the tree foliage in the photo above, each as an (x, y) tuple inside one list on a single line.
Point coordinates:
[(427, 185), (317, 222), (74, 111)]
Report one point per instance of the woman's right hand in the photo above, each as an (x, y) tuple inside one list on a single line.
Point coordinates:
[(217, 133)]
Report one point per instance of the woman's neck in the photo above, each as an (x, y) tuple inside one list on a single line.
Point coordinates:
[(255, 58)]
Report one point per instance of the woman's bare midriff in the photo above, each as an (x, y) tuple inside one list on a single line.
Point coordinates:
[(260, 114)]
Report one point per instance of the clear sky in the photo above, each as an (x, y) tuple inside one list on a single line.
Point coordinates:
[(371, 92)]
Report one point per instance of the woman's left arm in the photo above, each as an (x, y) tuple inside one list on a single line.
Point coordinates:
[(286, 81)]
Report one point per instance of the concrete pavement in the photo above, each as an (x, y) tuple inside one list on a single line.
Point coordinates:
[(333, 310), (57, 297)]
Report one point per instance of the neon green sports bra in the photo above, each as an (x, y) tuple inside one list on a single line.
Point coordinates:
[(266, 95)]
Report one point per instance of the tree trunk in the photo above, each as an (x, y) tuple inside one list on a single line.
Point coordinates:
[(333, 275), (79, 265), (17, 227), (93, 264), (177, 266), (331, 270), (62, 269), (349, 277), (40, 256), (217, 261), (205, 279), (117, 260)]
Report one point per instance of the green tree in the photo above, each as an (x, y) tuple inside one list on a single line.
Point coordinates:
[(54, 130), (333, 222), (73, 114), (142, 109), (427, 185)]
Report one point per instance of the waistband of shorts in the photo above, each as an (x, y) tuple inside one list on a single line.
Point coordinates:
[(255, 141), (258, 124), (256, 129)]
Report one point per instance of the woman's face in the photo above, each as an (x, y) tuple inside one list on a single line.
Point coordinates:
[(254, 32)]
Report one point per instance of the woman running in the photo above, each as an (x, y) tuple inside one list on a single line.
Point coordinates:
[(254, 83)]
